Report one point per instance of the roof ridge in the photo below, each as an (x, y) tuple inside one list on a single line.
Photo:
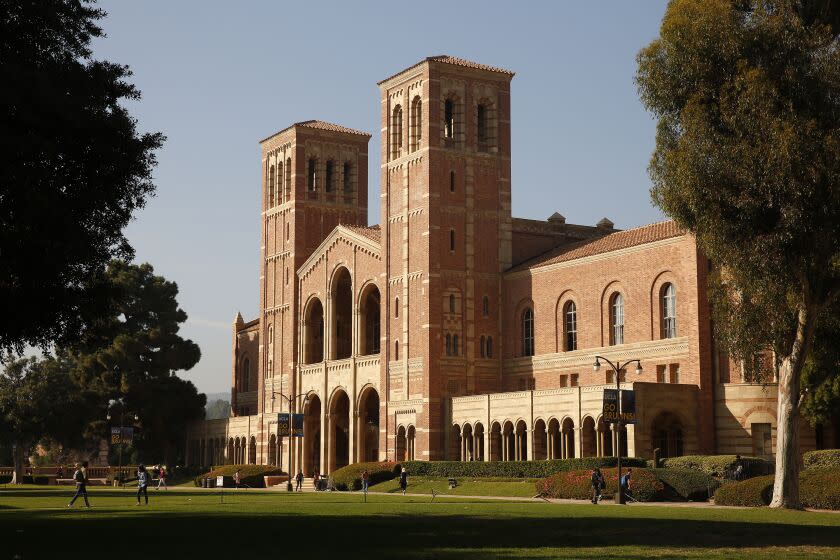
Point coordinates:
[(455, 61), (319, 124)]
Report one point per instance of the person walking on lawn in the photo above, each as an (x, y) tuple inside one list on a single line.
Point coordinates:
[(80, 478), (403, 480), (299, 481), (597, 485), (142, 484), (365, 481), (162, 477)]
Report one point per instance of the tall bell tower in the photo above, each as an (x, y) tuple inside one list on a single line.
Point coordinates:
[(446, 223)]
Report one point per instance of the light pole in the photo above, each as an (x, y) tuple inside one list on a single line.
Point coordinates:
[(122, 426), (617, 367), (289, 443)]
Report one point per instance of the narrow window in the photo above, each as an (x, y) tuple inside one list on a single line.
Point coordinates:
[(571, 326), (396, 308), (452, 303), (271, 186), (573, 380), (288, 180), (449, 119), (481, 121), (396, 349), (489, 346), (416, 123), (451, 239), (329, 178), (675, 373), (310, 175), (287, 275), (669, 311), (485, 306), (617, 319), (287, 231), (451, 181), (448, 344), (482, 346), (564, 380), (396, 132), (455, 345), (280, 175), (528, 332), (348, 183)]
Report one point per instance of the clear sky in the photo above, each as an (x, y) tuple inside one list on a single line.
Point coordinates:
[(217, 77)]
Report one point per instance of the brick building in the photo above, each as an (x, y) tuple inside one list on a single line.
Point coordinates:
[(453, 330)]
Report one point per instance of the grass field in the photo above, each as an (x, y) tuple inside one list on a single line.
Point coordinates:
[(194, 524), (520, 488)]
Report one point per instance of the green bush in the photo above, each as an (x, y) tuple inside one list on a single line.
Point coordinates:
[(820, 488), (251, 475), (753, 492), (513, 469), (577, 485), (686, 484), (823, 459), (719, 466), (350, 477)]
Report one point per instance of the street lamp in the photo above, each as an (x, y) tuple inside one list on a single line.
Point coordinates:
[(617, 367), (122, 426), (289, 444)]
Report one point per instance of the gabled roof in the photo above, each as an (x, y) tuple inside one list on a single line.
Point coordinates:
[(366, 237), (611, 242), (455, 61), (320, 125)]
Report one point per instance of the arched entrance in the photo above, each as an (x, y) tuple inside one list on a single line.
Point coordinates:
[(272, 450), (401, 443), (339, 435), (467, 451), (521, 441), (410, 437), (509, 445), (478, 442), (495, 442), (341, 331), (369, 321), (540, 440), (568, 436), (367, 429), (587, 438), (455, 443), (605, 441), (230, 456), (667, 435), (252, 451), (554, 441), (312, 435), (313, 332)]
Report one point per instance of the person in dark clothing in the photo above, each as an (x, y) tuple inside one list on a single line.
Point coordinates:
[(403, 481), (626, 485), (299, 481), (598, 484), (143, 479), (739, 468), (80, 478), (365, 481)]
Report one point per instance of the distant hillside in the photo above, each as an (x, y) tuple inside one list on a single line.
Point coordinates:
[(218, 406)]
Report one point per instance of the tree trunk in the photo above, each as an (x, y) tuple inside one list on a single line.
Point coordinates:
[(17, 460), (786, 485)]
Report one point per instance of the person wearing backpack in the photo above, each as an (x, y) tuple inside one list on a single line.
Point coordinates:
[(81, 487), (597, 485), (142, 484)]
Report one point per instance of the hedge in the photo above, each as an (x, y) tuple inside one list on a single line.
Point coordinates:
[(719, 466), (823, 459), (686, 484), (754, 492), (350, 477), (513, 469), (820, 488), (251, 475), (577, 485)]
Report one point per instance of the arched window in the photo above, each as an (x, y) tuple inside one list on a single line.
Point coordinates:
[(485, 306), (449, 118), (455, 345), (280, 176), (416, 123), (489, 346), (270, 186), (270, 335), (570, 326), (451, 239), (483, 347), (452, 303), (396, 350), (451, 181), (617, 319), (348, 177), (310, 175), (246, 374), (396, 132), (528, 332), (669, 311), (330, 176), (448, 344), (481, 122), (288, 180)]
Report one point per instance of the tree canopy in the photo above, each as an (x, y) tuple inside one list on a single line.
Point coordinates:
[(747, 158), (73, 170)]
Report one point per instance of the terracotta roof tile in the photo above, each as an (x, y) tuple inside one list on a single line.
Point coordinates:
[(320, 125), (373, 233), (454, 60), (611, 242)]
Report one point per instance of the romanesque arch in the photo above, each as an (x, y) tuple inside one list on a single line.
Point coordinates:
[(667, 434), (402, 443), (339, 432), (313, 332), (509, 446), (495, 442), (554, 441), (478, 442), (540, 436), (521, 441), (367, 429), (312, 435), (341, 327), (587, 438), (369, 320), (252, 451), (411, 436)]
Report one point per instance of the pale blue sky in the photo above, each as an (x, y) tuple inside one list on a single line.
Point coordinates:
[(217, 77)]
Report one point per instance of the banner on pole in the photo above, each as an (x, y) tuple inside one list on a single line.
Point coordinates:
[(297, 425), (122, 435), (628, 406), (283, 424)]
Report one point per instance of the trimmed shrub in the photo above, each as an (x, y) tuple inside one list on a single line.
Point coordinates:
[(251, 475), (513, 469), (350, 477), (823, 459), (820, 488), (686, 484), (754, 492), (577, 485), (719, 466)]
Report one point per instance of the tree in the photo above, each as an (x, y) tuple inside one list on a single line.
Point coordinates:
[(131, 354), (31, 393), (747, 158), (219, 408), (822, 402), (73, 170)]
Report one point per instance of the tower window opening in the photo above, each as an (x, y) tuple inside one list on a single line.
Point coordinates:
[(449, 119), (451, 239), (481, 121), (310, 175), (330, 176), (396, 132), (451, 181)]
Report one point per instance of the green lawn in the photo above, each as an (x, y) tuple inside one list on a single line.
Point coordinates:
[(515, 487), (261, 524)]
